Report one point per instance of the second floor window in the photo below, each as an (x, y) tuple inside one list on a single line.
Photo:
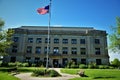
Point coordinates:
[(30, 40), (29, 49), (74, 50), (83, 51), (45, 50), (65, 50), (56, 50), (97, 51), (14, 49), (38, 50)]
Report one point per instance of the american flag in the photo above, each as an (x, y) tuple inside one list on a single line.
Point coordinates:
[(43, 10)]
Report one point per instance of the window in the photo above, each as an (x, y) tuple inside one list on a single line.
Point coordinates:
[(74, 60), (38, 50), (37, 59), (56, 50), (29, 49), (39, 40), (97, 41), (98, 61), (74, 41), (45, 50), (13, 59), (30, 40), (83, 51), (65, 41), (46, 40), (82, 41), (56, 40), (14, 49), (97, 51), (74, 50), (65, 50), (83, 61), (27, 59), (16, 39), (64, 62)]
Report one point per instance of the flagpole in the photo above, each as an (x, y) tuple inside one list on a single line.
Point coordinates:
[(48, 41)]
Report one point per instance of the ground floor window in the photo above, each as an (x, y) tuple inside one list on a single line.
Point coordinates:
[(13, 59), (98, 61), (64, 62), (83, 61)]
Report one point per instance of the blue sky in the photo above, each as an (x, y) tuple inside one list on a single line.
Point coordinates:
[(99, 14)]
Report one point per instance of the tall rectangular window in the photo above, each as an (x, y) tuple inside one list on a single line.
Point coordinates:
[(83, 51), (82, 41), (65, 50), (65, 41), (30, 40), (16, 39), (45, 50), (74, 41), (29, 49), (97, 41), (39, 40), (98, 61), (14, 49), (97, 51), (56, 40), (74, 50), (56, 50), (83, 61), (38, 50), (46, 40)]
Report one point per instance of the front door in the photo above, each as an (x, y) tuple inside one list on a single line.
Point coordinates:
[(55, 63)]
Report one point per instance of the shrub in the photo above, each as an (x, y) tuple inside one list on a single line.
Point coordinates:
[(25, 64), (82, 66), (92, 66), (19, 64), (12, 64), (4, 64), (38, 72), (54, 73), (101, 67), (44, 72)]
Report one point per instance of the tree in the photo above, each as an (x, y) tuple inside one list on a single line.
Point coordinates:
[(115, 37), (5, 38), (115, 63)]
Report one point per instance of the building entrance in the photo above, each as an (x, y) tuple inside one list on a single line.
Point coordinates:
[(55, 63)]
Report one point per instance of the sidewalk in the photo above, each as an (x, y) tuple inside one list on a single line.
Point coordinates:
[(27, 76)]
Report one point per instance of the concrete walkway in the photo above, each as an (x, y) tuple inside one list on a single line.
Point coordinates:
[(27, 76)]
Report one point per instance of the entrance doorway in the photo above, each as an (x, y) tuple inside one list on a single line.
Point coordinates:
[(55, 63)]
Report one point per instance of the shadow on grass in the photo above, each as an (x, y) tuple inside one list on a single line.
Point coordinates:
[(106, 77)]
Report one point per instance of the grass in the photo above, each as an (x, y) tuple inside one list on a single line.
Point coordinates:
[(95, 74), (7, 76)]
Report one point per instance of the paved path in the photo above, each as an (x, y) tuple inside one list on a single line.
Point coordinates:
[(27, 76)]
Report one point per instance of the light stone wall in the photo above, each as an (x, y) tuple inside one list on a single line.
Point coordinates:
[(35, 32)]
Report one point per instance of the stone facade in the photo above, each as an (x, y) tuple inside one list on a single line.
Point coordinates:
[(80, 44)]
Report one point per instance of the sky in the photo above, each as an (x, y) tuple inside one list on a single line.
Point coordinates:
[(100, 14)]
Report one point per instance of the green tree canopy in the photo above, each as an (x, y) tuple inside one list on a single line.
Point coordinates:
[(115, 37), (115, 62), (5, 38)]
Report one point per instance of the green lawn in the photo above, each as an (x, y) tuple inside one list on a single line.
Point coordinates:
[(95, 74), (6, 76)]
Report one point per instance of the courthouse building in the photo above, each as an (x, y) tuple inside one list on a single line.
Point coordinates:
[(80, 44)]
